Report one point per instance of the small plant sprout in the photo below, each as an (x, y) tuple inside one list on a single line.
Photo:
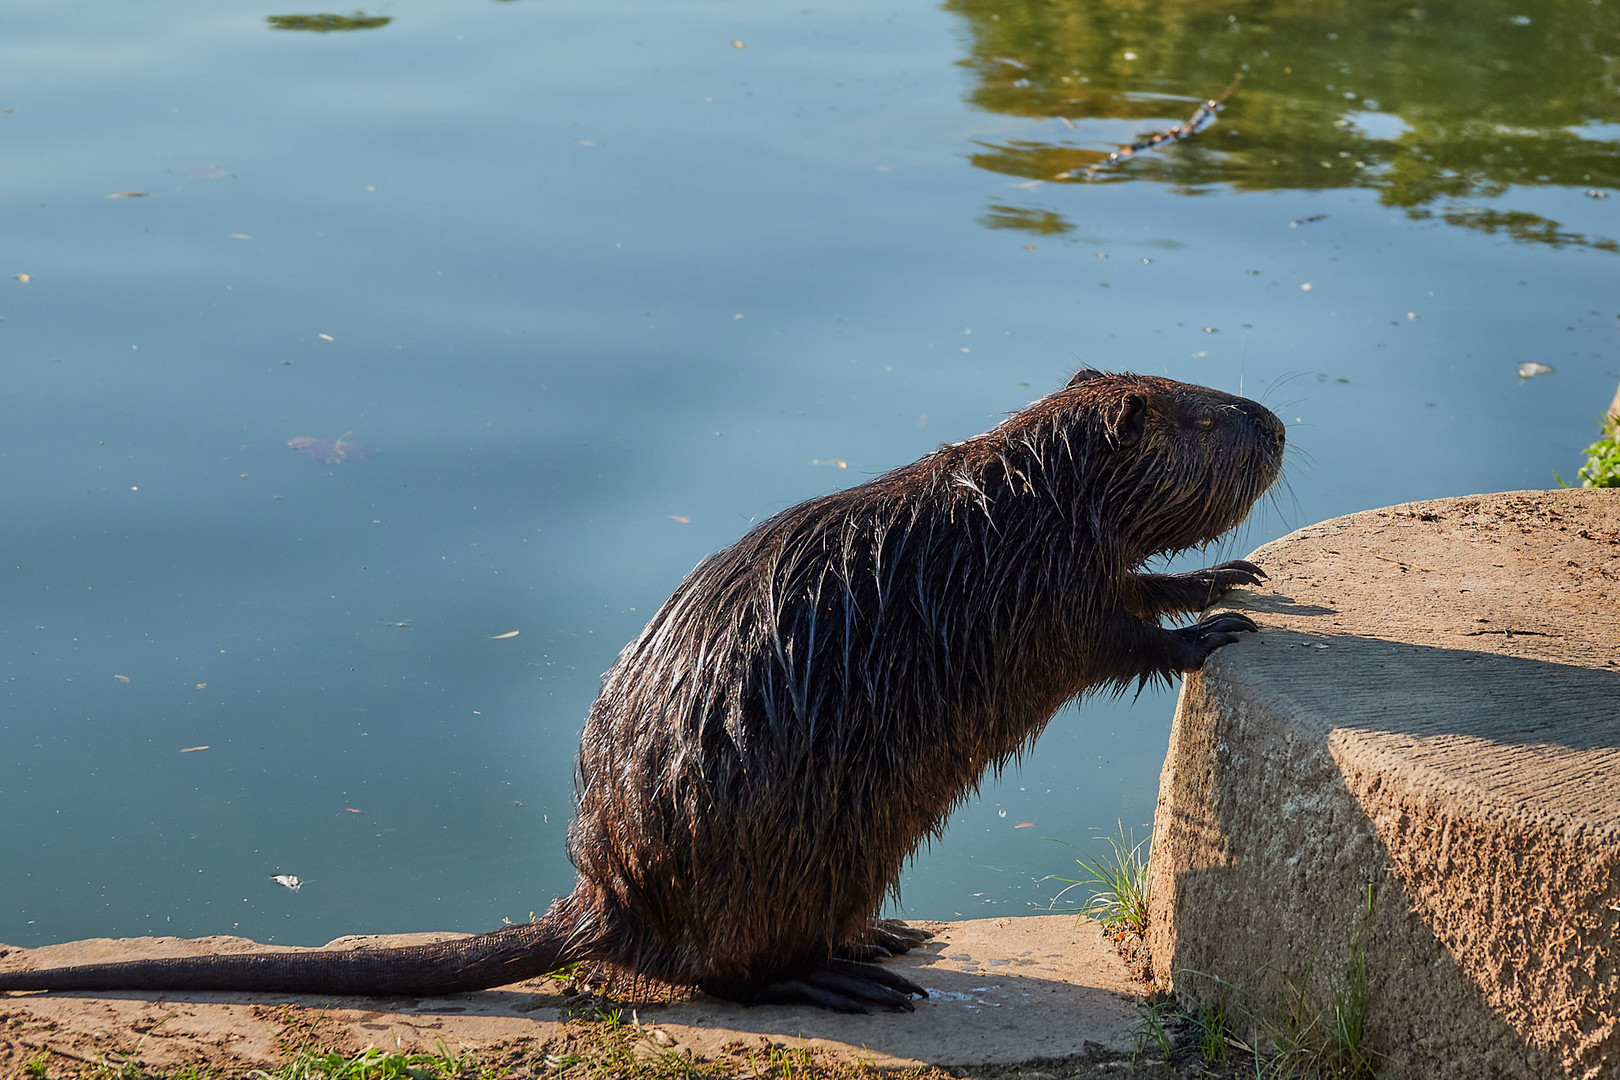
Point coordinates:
[(1152, 1030)]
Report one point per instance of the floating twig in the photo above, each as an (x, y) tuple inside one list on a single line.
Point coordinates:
[(1201, 119)]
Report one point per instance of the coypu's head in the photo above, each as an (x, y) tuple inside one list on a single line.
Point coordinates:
[(1169, 465)]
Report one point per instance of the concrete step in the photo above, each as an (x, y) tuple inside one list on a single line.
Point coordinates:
[(1403, 796)]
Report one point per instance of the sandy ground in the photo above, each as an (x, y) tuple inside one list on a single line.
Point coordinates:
[(1001, 991)]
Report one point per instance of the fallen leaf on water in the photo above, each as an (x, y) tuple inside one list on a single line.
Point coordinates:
[(128, 195), (508, 634), (351, 809), (331, 453), (679, 518), (325, 24), (1024, 825), (190, 749), (122, 678)]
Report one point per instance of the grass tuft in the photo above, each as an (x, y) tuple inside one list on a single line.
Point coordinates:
[(1602, 468), (1152, 1031), (374, 1064), (1119, 885)]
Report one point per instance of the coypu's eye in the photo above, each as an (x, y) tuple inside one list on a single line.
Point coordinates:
[(1206, 421)]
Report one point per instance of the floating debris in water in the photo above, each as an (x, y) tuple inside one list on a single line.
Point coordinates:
[(325, 24), (292, 881), (332, 453), (1531, 368), (1200, 119)]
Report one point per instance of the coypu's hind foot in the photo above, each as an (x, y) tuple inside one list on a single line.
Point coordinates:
[(846, 986), (884, 938)]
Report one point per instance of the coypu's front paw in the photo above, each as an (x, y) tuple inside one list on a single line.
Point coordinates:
[(1229, 575), (846, 986), (1201, 639), (1150, 595), (884, 938)]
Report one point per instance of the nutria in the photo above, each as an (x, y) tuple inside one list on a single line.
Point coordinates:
[(815, 699)]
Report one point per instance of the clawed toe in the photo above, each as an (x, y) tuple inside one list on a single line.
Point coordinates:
[(1227, 622), (895, 936), (884, 939), (1201, 639), (1239, 572), (876, 973), (846, 986)]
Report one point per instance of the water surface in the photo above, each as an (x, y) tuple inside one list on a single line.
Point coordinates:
[(601, 287)]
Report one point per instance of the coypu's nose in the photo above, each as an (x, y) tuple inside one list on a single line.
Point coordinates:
[(1265, 421)]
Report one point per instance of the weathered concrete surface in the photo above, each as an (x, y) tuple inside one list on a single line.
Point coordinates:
[(1416, 761), (1003, 990)]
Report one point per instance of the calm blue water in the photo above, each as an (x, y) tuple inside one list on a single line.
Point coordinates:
[(601, 286)]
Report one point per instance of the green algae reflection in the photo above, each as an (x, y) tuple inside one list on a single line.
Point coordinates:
[(1430, 105), (325, 24)]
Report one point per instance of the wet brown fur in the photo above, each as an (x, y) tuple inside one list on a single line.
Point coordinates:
[(814, 700)]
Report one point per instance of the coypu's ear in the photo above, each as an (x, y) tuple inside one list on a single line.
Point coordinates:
[(1087, 372), (1126, 426)]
